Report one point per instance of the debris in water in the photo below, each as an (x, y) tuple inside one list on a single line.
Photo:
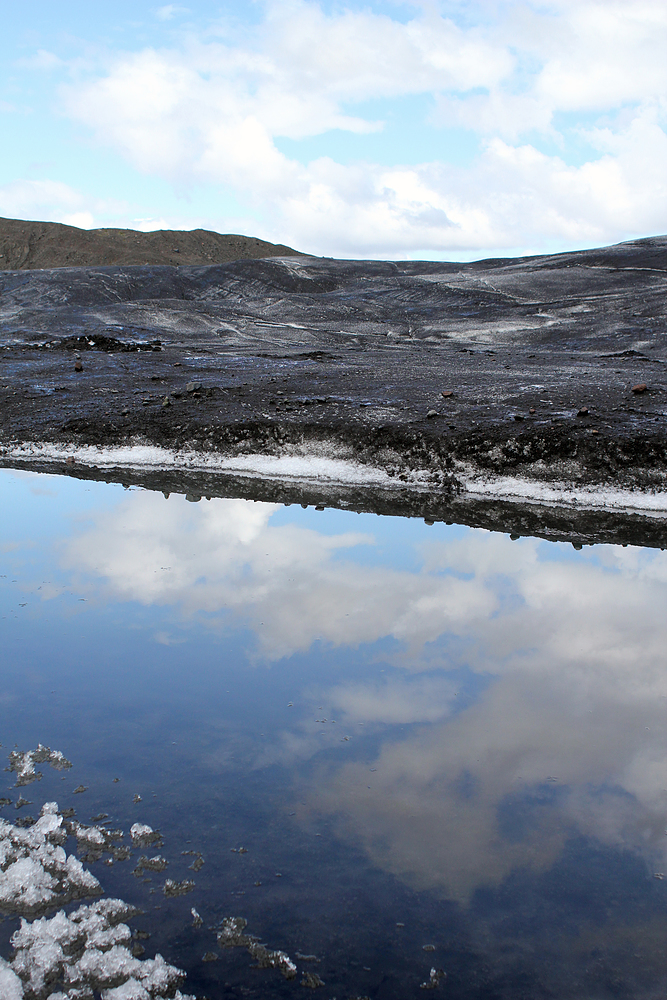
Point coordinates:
[(143, 836), (210, 956), (307, 958), (312, 980), (231, 935), (196, 918), (136, 798), (171, 888), (23, 763), (434, 979), (156, 864), (428, 947), (80, 788)]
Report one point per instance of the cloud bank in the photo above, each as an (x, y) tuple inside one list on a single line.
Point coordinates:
[(564, 105)]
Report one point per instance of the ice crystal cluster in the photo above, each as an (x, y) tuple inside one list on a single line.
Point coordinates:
[(77, 955)]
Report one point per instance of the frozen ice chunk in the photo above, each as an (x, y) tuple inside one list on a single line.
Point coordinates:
[(89, 950), (35, 873), (143, 835), (23, 763), (11, 987)]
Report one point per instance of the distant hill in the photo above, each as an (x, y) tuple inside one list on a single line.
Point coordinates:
[(29, 245)]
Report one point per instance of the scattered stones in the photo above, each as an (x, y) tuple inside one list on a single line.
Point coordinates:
[(639, 388), (311, 980), (435, 978)]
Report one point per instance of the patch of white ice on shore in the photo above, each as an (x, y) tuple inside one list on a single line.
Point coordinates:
[(590, 497), (35, 872), (322, 465)]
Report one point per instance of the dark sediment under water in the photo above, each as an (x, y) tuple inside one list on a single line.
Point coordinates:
[(439, 748)]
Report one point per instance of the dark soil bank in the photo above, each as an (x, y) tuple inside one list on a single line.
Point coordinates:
[(440, 374)]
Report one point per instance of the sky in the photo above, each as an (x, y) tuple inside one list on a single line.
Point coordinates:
[(422, 130)]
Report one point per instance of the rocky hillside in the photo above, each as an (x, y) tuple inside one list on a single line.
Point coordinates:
[(26, 245)]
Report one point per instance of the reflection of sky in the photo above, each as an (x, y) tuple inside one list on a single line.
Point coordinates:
[(504, 694)]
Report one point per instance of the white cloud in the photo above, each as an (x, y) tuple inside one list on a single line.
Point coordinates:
[(53, 201), (211, 110), (170, 11)]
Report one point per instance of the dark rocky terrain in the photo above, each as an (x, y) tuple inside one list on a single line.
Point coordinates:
[(51, 244), (444, 376)]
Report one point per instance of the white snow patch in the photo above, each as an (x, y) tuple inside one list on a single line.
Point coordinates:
[(561, 493), (35, 871), (86, 950), (323, 465)]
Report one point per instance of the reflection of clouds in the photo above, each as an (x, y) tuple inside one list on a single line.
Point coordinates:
[(570, 735), (226, 554), (572, 649)]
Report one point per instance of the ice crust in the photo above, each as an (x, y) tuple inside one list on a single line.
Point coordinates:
[(23, 763), (76, 955), (35, 872), (88, 950)]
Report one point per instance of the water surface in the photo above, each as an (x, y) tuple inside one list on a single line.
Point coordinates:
[(421, 735)]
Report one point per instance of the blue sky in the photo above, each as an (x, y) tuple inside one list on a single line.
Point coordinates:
[(433, 130)]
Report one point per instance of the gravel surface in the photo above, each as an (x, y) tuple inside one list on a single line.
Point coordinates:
[(524, 394)]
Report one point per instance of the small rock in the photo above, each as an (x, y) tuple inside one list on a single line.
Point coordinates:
[(166, 401), (639, 388), (78, 367), (196, 919), (138, 950), (532, 409), (431, 413), (582, 411), (447, 393), (70, 460), (136, 798), (428, 947), (193, 387), (210, 956), (311, 980), (81, 788)]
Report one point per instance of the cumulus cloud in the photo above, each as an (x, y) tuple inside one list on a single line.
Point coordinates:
[(53, 200), (213, 111)]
